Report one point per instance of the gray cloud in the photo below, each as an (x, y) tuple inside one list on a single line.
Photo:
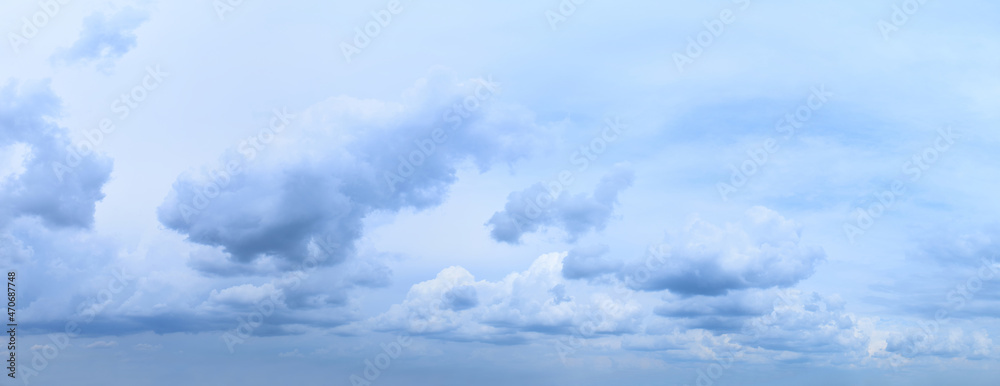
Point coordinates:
[(461, 298), (343, 159), (58, 182), (589, 262), (719, 313), (535, 207), (48, 196), (763, 251)]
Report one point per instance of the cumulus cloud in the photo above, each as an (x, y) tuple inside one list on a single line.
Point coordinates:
[(809, 322), (745, 310), (762, 251), (461, 298), (49, 189), (589, 262), (718, 313), (535, 207), (55, 181), (328, 176), (155, 300), (773, 325), (751, 325), (538, 301), (947, 343), (48, 194), (308, 188), (300, 299), (331, 287), (104, 38)]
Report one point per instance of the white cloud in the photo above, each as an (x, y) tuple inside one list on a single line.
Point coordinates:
[(762, 251), (529, 303)]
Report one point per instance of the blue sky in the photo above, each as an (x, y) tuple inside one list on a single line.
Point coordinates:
[(534, 193)]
